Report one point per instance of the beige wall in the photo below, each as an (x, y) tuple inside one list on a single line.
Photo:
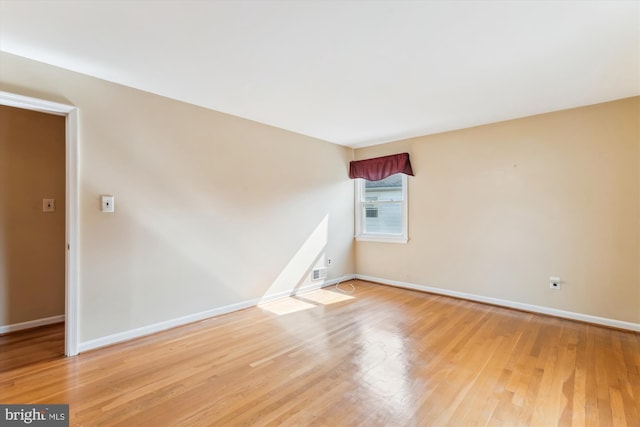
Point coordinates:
[(32, 167), (496, 210), (211, 209)]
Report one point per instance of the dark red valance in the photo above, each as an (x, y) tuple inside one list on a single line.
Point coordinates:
[(380, 167)]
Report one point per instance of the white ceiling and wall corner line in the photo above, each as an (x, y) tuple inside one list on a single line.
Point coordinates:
[(351, 73)]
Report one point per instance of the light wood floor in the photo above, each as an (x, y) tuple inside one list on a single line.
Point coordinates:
[(386, 357)]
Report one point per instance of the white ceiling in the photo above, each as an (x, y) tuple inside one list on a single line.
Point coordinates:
[(354, 73)]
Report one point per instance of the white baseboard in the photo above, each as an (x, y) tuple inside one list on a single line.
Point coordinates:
[(172, 323), (620, 324), (4, 329)]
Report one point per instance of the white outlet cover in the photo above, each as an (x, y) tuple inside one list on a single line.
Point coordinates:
[(107, 203)]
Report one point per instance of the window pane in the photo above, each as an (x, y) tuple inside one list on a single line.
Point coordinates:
[(371, 211), (387, 219), (388, 189), (382, 209)]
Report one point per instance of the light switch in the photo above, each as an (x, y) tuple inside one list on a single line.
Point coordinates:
[(107, 204), (48, 205)]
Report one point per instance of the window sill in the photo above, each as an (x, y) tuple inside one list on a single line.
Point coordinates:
[(381, 238)]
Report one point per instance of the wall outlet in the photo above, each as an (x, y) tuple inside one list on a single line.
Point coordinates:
[(554, 282), (329, 261)]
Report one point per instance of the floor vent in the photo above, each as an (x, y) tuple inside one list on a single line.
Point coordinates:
[(319, 273)]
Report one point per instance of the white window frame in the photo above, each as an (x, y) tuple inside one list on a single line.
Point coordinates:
[(360, 211)]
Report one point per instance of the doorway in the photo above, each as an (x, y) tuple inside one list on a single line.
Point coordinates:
[(70, 113)]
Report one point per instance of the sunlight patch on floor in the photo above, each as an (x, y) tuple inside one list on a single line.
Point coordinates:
[(325, 297), (304, 301), (285, 306)]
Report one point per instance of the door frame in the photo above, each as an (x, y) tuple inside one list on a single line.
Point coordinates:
[(70, 112)]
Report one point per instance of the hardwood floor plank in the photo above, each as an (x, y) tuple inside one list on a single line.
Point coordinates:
[(384, 356)]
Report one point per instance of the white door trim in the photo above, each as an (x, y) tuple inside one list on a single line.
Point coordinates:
[(72, 304)]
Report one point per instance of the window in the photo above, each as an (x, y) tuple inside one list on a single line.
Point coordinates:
[(381, 197), (381, 209)]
